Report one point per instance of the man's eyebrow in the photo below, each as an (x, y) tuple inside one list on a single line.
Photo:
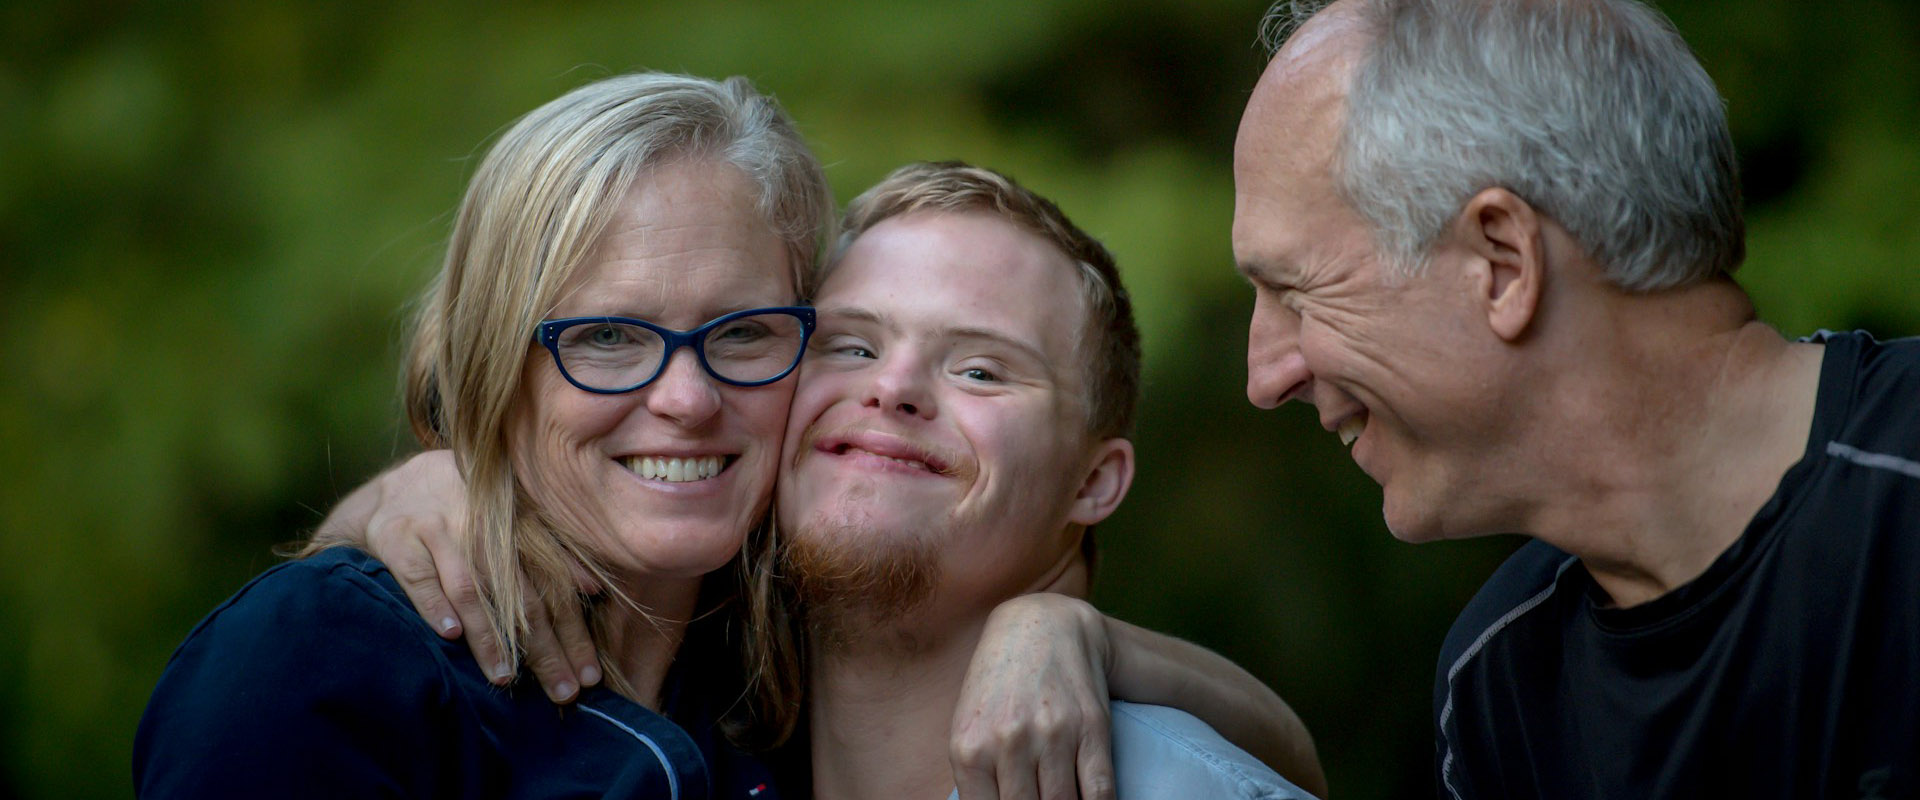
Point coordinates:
[(988, 334), (867, 315), (1260, 274), (856, 314)]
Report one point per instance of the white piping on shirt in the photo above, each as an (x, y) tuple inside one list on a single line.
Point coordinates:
[(1446, 709), (673, 779), (1904, 466), (1891, 463)]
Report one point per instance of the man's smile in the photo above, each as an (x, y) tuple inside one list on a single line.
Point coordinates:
[(885, 451)]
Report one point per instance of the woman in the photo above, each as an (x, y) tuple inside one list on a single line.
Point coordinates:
[(604, 231)]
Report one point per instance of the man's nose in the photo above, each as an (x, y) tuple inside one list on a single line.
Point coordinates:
[(684, 392), (1276, 369), (902, 385)]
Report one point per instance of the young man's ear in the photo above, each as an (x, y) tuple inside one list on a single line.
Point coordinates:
[(1106, 484), (1504, 236)]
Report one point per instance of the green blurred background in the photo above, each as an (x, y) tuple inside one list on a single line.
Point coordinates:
[(212, 212)]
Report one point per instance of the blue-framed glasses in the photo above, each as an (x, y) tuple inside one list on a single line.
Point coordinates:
[(614, 355)]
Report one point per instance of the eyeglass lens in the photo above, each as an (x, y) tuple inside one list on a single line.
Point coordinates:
[(613, 355)]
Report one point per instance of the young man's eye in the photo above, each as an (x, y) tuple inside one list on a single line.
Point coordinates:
[(842, 345), (979, 374)]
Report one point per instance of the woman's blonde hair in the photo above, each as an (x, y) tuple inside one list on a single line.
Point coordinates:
[(532, 213)]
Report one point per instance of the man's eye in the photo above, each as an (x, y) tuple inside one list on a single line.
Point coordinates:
[(840, 344), (979, 374)]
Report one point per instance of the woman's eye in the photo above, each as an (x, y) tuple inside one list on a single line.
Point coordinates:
[(606, 336), (979, 374), (745, 331)]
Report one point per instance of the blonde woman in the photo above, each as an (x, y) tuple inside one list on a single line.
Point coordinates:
[(604, 233)]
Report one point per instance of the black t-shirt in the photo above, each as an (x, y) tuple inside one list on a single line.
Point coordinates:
[(1790, 668)]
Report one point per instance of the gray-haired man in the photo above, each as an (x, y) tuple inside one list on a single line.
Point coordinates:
[(1492, 243)]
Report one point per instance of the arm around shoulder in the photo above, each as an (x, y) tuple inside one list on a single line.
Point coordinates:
[(1038, 687), (1154, 668)]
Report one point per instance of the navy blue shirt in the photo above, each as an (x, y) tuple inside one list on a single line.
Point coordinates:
[(318, 679), (1790, 668)]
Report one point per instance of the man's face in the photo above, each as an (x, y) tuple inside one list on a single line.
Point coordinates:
[(1380, 359), (942, 410)]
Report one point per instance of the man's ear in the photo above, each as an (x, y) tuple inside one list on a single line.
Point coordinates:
[(1106, 483), (1503, 234)]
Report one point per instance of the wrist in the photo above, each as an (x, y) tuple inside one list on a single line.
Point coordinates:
[(1100, 635)]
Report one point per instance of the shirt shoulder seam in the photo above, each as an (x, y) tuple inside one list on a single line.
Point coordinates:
[(1473, 649)]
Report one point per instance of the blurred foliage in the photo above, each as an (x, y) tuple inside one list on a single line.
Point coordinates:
[(251, 191)]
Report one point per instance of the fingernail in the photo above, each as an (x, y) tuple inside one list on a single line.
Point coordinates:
[(500, 672), (562, 691), (590, 675), (447, 624)]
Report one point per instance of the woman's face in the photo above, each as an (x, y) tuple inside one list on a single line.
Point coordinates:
[(686, 245)]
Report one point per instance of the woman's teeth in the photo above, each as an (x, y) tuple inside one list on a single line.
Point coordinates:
[(676, 470)]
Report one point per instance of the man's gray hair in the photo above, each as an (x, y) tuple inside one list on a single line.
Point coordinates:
[(1593, 111)]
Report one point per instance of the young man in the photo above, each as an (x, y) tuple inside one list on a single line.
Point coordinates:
[(1492, 242), (961, 425)]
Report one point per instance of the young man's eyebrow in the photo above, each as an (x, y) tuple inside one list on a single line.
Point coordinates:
[(867, 315), (988, 334), (855, 314)]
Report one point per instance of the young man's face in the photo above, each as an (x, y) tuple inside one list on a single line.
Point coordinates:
[(942, 415)]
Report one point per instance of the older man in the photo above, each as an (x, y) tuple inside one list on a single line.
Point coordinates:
[(1492, 244)]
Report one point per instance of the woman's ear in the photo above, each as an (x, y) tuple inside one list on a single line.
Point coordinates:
[(1106, 483)]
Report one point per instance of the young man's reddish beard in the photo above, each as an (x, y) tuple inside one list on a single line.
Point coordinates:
[(855, 582)]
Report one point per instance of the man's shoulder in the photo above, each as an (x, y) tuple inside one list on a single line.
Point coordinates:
[(1861, 375), (1528, 578), (1161, 752), (1865, 437)]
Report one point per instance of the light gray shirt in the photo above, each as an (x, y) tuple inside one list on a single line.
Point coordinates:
[(1162, 753)]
